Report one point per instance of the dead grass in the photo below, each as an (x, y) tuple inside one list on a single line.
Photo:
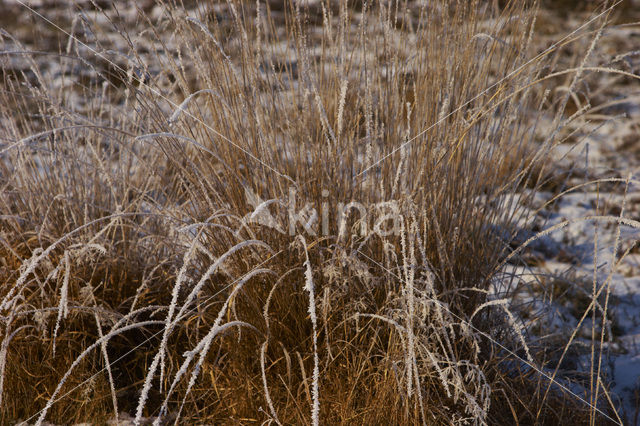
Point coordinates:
[(147, 242)]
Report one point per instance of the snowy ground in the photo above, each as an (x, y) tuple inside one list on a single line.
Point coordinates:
[(554, 290)]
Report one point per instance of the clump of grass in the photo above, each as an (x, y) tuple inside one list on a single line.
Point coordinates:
[(288, 213)]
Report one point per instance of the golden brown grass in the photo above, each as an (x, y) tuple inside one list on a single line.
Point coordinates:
[(137, 258)]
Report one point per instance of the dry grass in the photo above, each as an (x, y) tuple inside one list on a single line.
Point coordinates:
[(140, 274)]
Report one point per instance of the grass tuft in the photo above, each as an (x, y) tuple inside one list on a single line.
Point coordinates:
[(279, 212)]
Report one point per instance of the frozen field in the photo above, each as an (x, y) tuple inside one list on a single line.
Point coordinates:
[(569, 274)]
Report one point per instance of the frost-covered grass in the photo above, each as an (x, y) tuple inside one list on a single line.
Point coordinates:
[(283, 212)]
